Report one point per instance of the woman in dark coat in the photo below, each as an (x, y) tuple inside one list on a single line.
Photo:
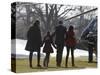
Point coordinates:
[(70, 44), (34, 42), (47, 48)]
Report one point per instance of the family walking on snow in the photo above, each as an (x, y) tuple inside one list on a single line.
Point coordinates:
[(63, 37)]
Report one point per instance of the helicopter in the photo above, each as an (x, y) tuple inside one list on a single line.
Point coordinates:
[(83, 42)]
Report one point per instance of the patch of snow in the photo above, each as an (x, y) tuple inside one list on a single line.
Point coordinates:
[(19, 48)]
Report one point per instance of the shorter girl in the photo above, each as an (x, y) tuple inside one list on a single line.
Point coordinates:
[(47, 48)]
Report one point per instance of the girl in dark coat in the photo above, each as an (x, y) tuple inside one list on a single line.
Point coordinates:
[(47, 48), (70, 44), (34, 42)]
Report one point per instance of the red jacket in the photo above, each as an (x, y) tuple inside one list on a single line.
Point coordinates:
[(70, 40)]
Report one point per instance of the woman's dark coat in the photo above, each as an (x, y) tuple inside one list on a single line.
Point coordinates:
[(34, 39)]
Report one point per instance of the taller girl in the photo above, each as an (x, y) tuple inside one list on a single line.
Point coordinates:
[(70, 44)]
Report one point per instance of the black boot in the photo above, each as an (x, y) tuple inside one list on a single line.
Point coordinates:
[(30, 59)]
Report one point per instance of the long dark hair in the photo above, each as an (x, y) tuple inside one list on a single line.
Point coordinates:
[(71, 28), (37, 22)]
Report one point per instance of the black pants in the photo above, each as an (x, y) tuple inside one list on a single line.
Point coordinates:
[(72, 55), (90, 51), (46, 60), (30, 58), (59, 55)]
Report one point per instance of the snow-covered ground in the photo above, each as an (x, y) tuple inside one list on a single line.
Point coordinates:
[(20, 49)]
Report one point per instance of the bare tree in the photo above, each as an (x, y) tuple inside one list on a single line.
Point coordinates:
[(48, 14), (51, 13)]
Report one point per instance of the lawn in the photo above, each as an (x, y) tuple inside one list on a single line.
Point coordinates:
[(22, 65)]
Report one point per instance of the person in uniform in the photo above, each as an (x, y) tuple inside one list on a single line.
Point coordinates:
[(91, 45)]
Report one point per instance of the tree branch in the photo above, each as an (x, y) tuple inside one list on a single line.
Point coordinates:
[(65, 12), (40, 13), (59, 8)]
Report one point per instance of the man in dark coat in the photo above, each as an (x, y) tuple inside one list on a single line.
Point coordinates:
[(34, 42), (59, 41)]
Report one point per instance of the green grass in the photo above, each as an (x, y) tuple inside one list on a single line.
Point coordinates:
[(22, 65)]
